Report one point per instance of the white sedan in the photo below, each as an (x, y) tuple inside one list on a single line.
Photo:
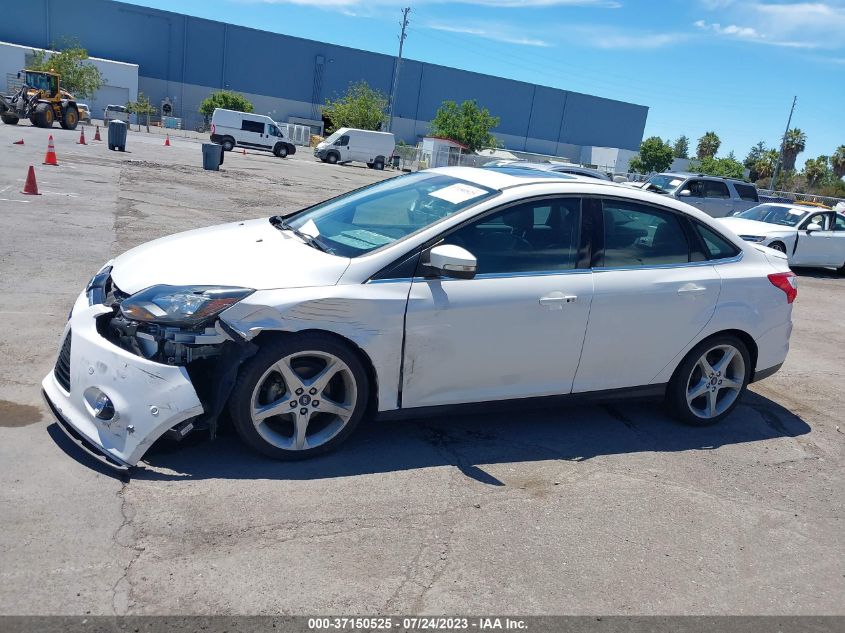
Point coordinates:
[(434, 289), (808, 235)]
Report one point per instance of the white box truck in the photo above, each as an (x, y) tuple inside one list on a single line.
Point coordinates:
[(364, 146), (254, 131)]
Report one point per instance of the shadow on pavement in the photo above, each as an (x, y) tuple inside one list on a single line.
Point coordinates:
[(573, 434)]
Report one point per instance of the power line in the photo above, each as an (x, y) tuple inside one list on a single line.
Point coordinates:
[(393, 88), (783, 144)]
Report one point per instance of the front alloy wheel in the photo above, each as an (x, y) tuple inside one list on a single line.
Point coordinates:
[(709, 382), (299, 397)]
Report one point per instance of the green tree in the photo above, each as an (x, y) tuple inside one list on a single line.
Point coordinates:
[(225, 99), (765, 166), (680, 149), (793, 144), (655, 155), (361, 107), (708, 145), (837, 161), (79, 78), (816, 170), (754, 155), (141, 106), (727, 167), (466, 123)]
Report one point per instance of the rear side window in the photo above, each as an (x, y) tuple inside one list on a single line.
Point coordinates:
[(252, 126), (639, 235), (716, 189), (747, 192), (717, 246)]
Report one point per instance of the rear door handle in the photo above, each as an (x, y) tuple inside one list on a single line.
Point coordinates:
[(556, 300), (691, 289)]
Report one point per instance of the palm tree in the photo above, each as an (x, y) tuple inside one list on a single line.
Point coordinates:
[(708, 145), (765, 166), (815, 170), (793, 144), (837, 161)]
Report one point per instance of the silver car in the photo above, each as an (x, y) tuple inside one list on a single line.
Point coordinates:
[(716, 196)]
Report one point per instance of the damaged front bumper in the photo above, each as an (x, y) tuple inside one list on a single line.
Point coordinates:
[(148, 398)]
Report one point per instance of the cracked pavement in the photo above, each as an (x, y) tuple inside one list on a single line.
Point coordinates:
[(593, 509)]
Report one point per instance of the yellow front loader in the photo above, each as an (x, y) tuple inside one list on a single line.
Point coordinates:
[(41, 100)]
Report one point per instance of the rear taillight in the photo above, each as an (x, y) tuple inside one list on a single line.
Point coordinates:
[(787, 282)]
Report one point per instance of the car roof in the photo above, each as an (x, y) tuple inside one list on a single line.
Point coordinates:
[(689, 174), (504, 177)]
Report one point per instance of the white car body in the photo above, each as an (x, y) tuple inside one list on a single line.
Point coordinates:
[(803, 247), (363, 146), (429, 341)]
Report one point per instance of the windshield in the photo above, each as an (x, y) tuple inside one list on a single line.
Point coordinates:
[(331, 138), (662, 183), (369, 218), (774, 214)]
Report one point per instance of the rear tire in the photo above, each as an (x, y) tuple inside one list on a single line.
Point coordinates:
[(44, 115), (379, 164), (710, 381), (282, 373), (841, 270), (228, 145)]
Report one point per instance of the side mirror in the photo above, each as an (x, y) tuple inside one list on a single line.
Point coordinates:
[(449, 260), (813, 227), (685, 193)]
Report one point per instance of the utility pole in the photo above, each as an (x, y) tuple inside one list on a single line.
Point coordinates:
[(395, 86), (783, 144)]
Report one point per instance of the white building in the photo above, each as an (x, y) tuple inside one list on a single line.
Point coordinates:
[(121, 79)]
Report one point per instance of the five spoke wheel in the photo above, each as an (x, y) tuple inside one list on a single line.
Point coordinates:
[(716, 381)]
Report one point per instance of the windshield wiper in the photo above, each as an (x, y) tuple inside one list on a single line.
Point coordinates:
[(282, 224)]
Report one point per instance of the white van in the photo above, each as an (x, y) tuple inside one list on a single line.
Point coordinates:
[(365, 146), (231, 129)]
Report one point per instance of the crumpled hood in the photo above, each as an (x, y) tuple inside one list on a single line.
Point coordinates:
[(251, 254), (743, 226)]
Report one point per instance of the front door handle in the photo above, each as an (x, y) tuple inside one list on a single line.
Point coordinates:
[(556, 300), (691, 289)]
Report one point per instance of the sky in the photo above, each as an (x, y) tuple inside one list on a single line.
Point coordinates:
[(731, 66)]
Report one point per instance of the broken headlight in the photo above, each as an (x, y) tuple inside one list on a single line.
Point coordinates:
[(181, 305)]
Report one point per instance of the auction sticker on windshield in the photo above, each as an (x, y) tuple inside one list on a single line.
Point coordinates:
[(458, 193)]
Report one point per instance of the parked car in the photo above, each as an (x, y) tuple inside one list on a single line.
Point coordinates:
[(807, 235), (364, 146), (438, 288), (231, 129), (717, 197), (559, 168), (116, 113), (84, 112)]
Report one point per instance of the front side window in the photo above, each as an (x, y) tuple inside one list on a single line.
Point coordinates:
[(535, 236), (839, 224), (378, 215), (696, 188), (343, 141), (716, 189), (818, 218), (639, 235)]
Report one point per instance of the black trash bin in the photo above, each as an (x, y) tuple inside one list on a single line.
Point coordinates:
[(395, 161), (212, 156), (117, 135)]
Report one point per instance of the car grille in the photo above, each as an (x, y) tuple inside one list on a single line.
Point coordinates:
[(62, 369)]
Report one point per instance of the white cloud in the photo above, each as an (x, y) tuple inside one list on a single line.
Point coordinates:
[(607, 38), (496, 34), (338, 4), (791, 24)]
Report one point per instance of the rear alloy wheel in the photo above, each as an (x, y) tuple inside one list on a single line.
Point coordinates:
[(709, 382), (778, 246), (299, 396)]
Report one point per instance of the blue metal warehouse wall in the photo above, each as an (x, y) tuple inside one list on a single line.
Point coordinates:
[(183, 57)]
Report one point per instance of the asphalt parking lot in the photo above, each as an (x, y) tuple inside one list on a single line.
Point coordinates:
[(587, 510)]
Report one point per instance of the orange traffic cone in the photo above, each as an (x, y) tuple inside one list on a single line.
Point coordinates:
[(31, 187), (81, 140), (167, 141), (20, 142), (50, 158), (97, 134)]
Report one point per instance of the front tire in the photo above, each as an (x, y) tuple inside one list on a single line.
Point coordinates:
[(332, 158), (300, 396), (778, 246), (710, 381), (44, 115), (9, 119), (281, 151)]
